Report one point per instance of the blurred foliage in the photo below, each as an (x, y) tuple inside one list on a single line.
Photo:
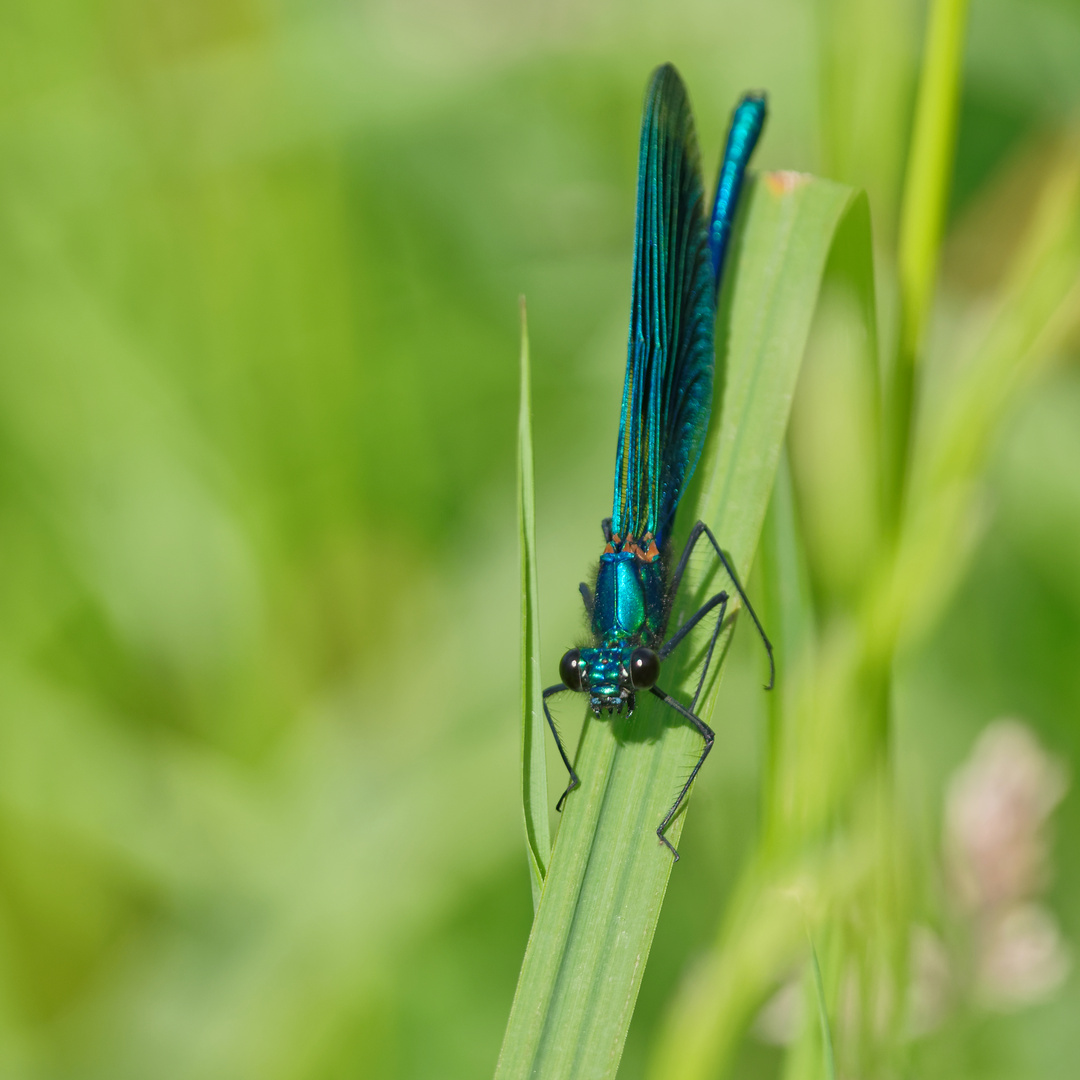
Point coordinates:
[(258, 382)]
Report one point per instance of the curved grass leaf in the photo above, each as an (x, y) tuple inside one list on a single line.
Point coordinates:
[(533, 761), (608, 875)]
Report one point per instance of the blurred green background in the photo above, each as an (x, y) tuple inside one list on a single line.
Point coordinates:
[(259, 265)]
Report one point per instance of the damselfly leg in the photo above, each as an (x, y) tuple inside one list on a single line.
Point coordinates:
[(574, 781), (720, 599), (707, 734)]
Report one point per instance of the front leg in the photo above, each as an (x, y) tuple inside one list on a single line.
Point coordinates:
[(558, 688)]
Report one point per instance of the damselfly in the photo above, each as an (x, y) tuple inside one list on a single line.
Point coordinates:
[(667, 396)]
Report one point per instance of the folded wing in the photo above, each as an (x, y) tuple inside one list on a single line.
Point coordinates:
[(667, 394)]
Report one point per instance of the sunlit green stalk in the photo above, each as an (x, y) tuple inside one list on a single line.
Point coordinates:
[(922, 218)]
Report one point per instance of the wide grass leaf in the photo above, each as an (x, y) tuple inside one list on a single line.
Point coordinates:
[(608, 874)]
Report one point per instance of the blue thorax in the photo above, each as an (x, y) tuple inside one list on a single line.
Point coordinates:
[(628, 612), (628, 608)]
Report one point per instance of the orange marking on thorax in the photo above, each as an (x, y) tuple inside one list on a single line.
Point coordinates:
[(645, 554)]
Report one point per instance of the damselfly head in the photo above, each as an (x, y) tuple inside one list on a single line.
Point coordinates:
[(610, 676)]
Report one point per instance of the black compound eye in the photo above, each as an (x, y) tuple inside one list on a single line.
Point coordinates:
[(572, 670), (644, 668)]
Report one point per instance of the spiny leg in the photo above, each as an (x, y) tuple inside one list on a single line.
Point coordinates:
[(675, 640), (574, 781), (708, 735), (720, 599), (676, 581)]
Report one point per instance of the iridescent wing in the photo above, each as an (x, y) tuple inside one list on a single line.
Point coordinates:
[(667, 394)]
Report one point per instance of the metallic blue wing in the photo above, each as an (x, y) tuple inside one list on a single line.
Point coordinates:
[(746, 124), (667, 394)]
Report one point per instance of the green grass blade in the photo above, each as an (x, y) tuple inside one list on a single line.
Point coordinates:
[(922, 215), (929, 172), (601, 901), (829, 1058), (533, 760)]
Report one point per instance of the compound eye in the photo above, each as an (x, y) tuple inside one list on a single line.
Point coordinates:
[(572, 670), (644, 668)]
